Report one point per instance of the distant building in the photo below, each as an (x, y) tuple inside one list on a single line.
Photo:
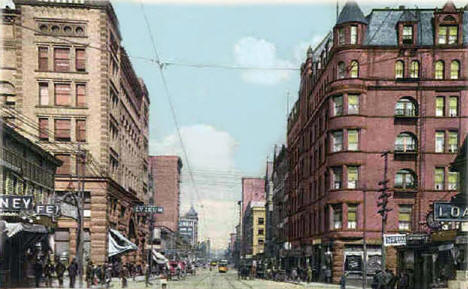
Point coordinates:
[(166, 176), (188, 227), (254, 229), (253, 189), (269, 206)]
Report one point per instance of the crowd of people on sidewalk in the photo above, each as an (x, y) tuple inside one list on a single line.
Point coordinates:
[(388, 280)]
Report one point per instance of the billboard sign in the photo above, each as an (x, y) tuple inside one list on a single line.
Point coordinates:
[(450, 212)]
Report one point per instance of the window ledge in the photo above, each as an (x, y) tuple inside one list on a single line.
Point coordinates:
[(62, 106), (407, 79), (66, 72)]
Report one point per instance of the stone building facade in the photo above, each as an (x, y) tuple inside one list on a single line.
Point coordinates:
[(253, 242), (166, 174), (394, 80), (74, 91), (188, 227)]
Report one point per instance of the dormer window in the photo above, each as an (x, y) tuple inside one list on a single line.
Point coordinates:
[(341, 36), (354, 35), (448, 34), (407, 35)]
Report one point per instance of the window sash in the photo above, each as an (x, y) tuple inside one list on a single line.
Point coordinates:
[(353, 34), (452, 34), (43, 128), (62, 59), (43, 94), (341, 36), (414, 69), (80, 60), (439, 106), (338, 105), (453, 141), (353, 140), (407, 32), (439, 70), (341, 70), (439, 176), (352, 177), (80, 130), (454, 70), (439, 142), (399, 68), (43, 58), (62, 129), (453, 178), (337, 141), (80, 95), (62, 94), (442, 34), (453, 106), (353, 103), (354, 73)]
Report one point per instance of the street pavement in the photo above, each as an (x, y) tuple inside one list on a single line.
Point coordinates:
[(206, 279)]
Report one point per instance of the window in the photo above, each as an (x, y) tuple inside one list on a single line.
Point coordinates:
[(337, 178), (62, 130), (43, 94), (453, 106), (260, 231), (80, 95), (439, 178), (261, 221), (261, 242), (404, 179), (352, 177), (405, 107), (80, 60), (440, 106), (399, 69), (341, 36), (341, 70), (439, 70), (43, 59), (62, 59), (453, 181), (448, 34), (43, 129), (354, 72), (455, 69), (353, 139), (414, 69), (439, 141), (337, 141), (64, 169), (353, 104), (62, 239), (80, 130), (337, 105), (405, 142), (453, 142), (352, 216), (404, 217), (62, 94), (337, 217), (354, 35), (407, 36)]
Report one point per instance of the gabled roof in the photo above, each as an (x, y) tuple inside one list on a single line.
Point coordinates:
[(351, 13)]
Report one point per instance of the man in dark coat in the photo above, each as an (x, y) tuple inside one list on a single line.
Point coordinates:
[(72, 272), (89, 274), (38, 270), (48, 272), (60, 270)]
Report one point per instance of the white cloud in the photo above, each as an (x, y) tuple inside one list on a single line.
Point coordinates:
[(255, 52), (211, 152)]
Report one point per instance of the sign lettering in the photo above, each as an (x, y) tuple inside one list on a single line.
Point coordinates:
[(16, 203), (450, 212), (394, 240), (149, 209)]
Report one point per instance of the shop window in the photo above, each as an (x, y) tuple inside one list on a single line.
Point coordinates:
[(405, 179), (404, 217), (352, 216), (337, 141), (353, 177), (353, 139), (439, 178), (399, 69)]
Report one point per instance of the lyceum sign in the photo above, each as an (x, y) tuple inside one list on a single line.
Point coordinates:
[(450, 212)]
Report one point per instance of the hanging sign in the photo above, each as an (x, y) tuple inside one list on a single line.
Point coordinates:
[(450, 212)]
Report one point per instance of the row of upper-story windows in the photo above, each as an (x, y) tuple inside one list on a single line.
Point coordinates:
[(62, 59), (64, 94), (62, 129), (439, 69)]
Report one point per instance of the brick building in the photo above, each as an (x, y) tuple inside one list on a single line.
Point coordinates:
[(166, 174), (394, 80), (71, 86), (253, 189), (253, 228)]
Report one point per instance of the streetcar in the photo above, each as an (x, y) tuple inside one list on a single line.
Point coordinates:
[(222, 266)]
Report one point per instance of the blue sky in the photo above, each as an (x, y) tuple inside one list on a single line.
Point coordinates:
[(229, 119)]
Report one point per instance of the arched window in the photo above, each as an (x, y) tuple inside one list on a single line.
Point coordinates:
[(439, 70), (399, 69), (341, 70), (455, 69), (405, 107), (405, 179), (354, 72), (414, 69), (405, 142)]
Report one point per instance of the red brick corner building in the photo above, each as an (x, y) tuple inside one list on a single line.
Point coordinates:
[(394, 80)]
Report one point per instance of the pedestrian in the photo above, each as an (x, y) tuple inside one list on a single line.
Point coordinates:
[(48, 272), (403, 282), (253, 270), (147, 275), (294, 274), (38, 270), (108, 275), (389, 279), (309, 274), (60, 270), (89, 274), (328, 275), (375, 280), (72, 272), (343, 280), (124, 276)]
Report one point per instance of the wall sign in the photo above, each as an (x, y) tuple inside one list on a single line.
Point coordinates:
[(394, 240), (16, 203), (450, 212)]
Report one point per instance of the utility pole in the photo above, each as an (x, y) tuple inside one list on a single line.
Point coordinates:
[(383, 201), (81, 159), (151, 201)]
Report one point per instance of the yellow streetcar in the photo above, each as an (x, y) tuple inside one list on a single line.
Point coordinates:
[(222, 266)]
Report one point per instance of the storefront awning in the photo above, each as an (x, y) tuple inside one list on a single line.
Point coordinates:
[(15, 228), (119, 244), (159, 258)]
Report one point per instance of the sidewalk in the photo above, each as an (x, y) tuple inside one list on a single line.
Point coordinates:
[(350, 284)]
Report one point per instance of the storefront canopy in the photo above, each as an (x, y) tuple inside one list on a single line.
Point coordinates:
[(13, 229), (159, 258), (118, 244)]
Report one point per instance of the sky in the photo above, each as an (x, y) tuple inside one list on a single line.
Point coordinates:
[(229, 119)]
